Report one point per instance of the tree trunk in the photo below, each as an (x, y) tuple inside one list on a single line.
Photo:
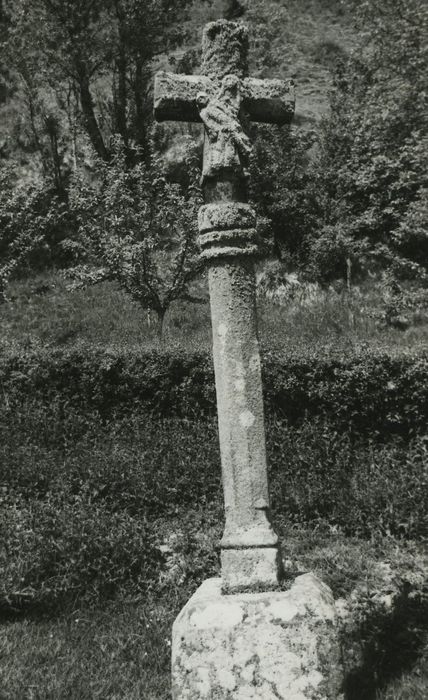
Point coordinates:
[(72, 111), (351, 315), (121, 92), (161, 319), (121, 99), (348, 273), (32, 114), (140, 125), (91, 123), (57, 162), (3, 297)]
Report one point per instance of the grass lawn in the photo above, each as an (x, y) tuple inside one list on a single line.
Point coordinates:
[(42, 312), (120, 651), (122, 648)]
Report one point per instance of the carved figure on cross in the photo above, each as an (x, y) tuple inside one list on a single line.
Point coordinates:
[(225, 99), (228, 146)]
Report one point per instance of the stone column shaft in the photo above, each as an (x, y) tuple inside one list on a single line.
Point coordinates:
[(249, 553), (240, 405)]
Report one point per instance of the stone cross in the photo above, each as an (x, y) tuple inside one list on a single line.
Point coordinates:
[(225, 99)]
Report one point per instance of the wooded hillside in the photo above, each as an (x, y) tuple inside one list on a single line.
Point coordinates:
[(343, 190)]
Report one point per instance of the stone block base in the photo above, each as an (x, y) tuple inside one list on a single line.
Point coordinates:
[(280, 644), (250, 568)]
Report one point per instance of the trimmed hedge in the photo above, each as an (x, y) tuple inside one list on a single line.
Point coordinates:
[(368, 390)]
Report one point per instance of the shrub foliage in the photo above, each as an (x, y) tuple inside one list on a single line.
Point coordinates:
[(369, 391), (89, 510), (65, 548)]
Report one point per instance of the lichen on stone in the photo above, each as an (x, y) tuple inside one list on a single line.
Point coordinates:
[(256, 657), (224, 49)]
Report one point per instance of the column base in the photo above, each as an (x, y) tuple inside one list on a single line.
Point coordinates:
[(248, 646), (250, 569)]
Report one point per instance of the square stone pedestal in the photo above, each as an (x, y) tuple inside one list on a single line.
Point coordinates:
[(279, 644)]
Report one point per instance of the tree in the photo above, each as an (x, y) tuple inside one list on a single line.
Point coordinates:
[(138, 229), (4, 72), (282, 189), (371, 168), (92, 58), (233, 9)]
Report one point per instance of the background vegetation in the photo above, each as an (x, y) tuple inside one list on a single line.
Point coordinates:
[(345, 189)]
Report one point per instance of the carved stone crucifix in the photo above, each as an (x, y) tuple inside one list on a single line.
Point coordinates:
[(224, 99)]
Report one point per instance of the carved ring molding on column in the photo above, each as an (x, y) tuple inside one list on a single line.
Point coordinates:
[(227, 229)]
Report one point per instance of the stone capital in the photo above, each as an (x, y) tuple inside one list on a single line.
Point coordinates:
[(227, 229), (224, 216)]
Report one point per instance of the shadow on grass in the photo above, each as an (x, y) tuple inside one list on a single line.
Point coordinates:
[(29, 611), (392, 643), (25, 608)]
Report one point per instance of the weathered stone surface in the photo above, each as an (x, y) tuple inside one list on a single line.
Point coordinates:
[(175, 96), (224, 55), (242, 645), (276, 645), (225, 227), (240, 412), (224, 49), (269, 101), (220, 99), (227, 147), (259, 567), (226, 244), (226, 215)]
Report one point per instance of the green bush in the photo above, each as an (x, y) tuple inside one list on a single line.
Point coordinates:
[(377, 392), (372, 392)]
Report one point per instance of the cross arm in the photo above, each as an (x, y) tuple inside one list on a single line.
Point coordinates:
[(175, 96), (269, 101)]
